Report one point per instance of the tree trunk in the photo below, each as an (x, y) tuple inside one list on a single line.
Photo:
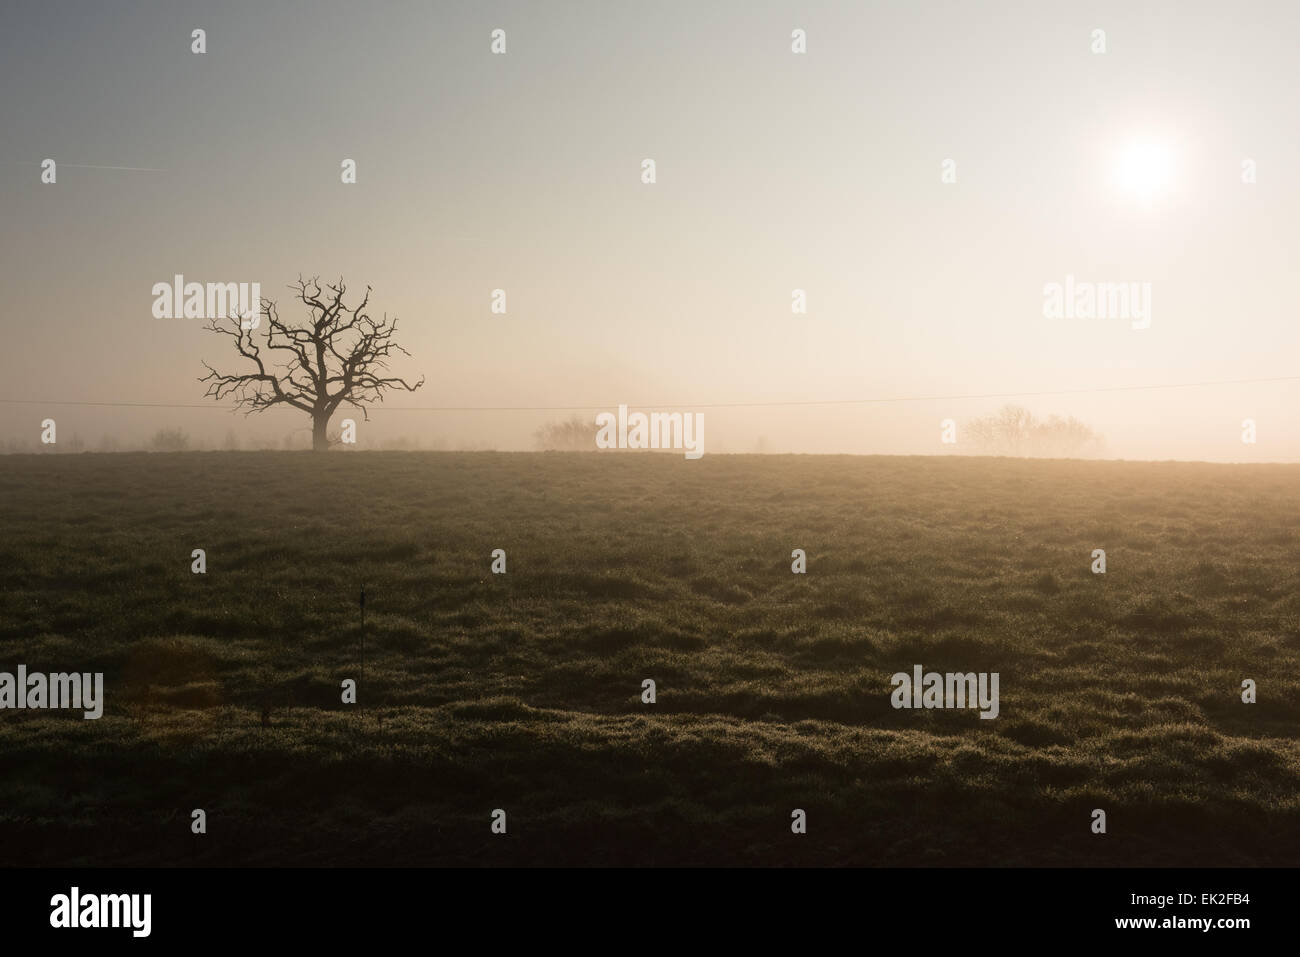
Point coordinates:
[(319, 442)]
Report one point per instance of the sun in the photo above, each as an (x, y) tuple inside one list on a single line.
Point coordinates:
[(1144, 170)]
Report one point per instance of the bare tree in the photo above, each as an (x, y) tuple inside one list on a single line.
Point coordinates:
[(169, 440), (337, 356), (574, 434), (1013, 430), (1060, 438)]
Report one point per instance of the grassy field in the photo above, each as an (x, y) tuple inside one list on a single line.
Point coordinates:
[(522, 691)]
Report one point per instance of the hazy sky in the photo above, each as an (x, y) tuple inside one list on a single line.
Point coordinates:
[(775, 171)]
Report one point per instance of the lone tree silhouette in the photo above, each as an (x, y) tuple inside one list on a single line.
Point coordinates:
[(338, 356)]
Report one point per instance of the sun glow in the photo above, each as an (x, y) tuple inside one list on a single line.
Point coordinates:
[(1144, 169)]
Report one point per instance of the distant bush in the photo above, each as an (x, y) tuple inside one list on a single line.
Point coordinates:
[(574, 434), (1013, 430), (169, 440)]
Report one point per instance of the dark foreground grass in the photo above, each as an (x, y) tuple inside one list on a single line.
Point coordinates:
[(1118, 691)]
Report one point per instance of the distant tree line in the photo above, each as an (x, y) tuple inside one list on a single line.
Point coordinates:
[(574, 434), (1014, 430)]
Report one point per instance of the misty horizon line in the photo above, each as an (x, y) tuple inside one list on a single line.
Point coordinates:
[(392, 448), (763, 403)]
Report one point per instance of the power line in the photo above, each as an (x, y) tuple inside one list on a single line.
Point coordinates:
[(133, 169), (138, 405), (699, 405)]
